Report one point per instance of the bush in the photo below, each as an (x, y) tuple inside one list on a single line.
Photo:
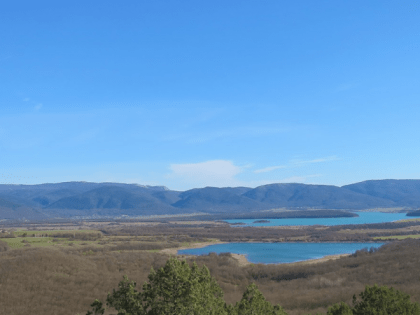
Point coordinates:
[(378, 301), (383, 300), (3, 246)]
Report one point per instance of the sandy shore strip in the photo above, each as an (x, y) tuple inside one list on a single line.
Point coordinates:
[(174, 251), (243, 261), (320, 260)]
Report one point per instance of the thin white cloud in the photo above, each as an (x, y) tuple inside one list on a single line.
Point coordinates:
[(320, 160), (218, 173), (296, 163), (38, 107), (26, 99), (270, 169)]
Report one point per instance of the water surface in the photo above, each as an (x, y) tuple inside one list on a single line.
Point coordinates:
[(274, 253), (363, 218)]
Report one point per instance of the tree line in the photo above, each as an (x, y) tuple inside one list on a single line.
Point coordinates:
[(178, 289)]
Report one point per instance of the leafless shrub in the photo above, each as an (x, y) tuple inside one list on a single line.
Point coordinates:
[(3, 246)]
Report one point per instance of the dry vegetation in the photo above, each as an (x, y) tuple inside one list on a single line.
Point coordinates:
[(70, 270), (226, 233)]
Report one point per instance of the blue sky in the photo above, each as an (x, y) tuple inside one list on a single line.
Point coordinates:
[(209, 93)]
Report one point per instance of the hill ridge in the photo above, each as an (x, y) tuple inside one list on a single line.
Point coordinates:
[(114, 199)]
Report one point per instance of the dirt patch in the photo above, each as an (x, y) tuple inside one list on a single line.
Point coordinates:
[(241, 259)]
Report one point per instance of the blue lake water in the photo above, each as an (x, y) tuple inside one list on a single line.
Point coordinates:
[(274, 253), (363, 218)]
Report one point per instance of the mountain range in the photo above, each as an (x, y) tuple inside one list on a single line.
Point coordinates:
[(84, 199)]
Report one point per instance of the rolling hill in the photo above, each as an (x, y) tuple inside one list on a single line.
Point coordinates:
[(403, 193), (212, 199), (319, 196), (115, 199)]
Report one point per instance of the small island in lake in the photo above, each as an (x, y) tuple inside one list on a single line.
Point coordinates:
[(415, 213), (297, 214), (262, 221)]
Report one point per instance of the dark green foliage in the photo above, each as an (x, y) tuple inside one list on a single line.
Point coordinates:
[(340, 309), (253, 303), (383, 301), (179, 289), (377, 300), (97, 308), (174, 289), (126, 300)]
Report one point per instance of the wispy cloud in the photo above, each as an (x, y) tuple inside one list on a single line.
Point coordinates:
[(220, 173), (270, 169), (38, 107), (296, 163), (26, 99), (320, 160)]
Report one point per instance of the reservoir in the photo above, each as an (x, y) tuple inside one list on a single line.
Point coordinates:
[(274, 253), (363, 218)]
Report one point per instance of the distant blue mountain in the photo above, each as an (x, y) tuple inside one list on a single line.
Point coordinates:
[(402, 192), (212, 199), (319, 196), (115, 199)]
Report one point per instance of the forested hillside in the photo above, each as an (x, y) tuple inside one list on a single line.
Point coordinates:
[(114, 199)]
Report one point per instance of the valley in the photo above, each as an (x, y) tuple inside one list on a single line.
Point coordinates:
[(72, 242), (63, 267)]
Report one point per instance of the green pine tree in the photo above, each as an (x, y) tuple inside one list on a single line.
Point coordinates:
[(340, 309), (175, 289), (384, 301), (126, 300)]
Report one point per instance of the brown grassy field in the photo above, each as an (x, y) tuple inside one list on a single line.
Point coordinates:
[(62, 273)]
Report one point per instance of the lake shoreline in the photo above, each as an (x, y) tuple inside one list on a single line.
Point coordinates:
[(362, 218), (242, 259)]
